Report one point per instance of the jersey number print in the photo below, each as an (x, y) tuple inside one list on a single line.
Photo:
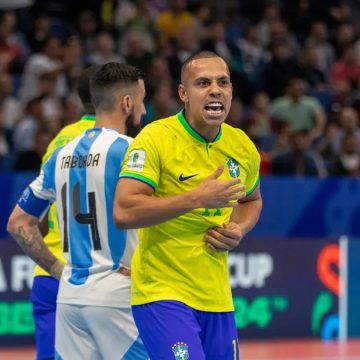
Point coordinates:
[(82, 218)]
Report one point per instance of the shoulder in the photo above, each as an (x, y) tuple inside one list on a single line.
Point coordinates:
[(238, 140), (161, 126), (235, 133)]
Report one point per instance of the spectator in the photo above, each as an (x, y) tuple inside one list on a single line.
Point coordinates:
[(314, 77), (172, 20), (11, 106), (104, 50), (26, 129), (347, 163), (260, 120), (282, 67), (270, 15), (162, 104), (137, 50), (6, 157), (300, 160), (300, 111), (47, 61), (253, 57), (349, 123), (347, 68), (318, 40), (31, 159)]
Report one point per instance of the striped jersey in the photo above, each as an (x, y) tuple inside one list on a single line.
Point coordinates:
[(68, 133), (82, 177)]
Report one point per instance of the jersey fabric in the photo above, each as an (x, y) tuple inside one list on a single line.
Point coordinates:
[(173, 261), (82, 177), (180, 329), (68, 133)]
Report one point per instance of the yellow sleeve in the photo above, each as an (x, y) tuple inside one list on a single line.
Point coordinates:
[(253, 178), (142, 160)]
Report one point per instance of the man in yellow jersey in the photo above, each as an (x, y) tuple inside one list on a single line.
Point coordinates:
[(45, 288), (175, 184)]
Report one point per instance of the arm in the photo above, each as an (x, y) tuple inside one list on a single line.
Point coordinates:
[(244, 217), (135, 206), (25, 230), (320, 121)]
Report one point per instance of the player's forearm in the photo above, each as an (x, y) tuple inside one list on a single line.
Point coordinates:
[(142, 210), (247, 214), (29, 238)]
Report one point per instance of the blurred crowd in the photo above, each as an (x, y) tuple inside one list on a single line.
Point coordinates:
[(295, 68)]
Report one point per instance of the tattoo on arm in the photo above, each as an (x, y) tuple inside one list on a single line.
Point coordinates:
[(32, 243)]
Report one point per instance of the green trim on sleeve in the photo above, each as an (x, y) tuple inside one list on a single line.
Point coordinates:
[(254, 187), (142, 178)]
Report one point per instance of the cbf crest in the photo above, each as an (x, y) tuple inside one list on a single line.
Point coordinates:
[(233, 167), (181, 351)]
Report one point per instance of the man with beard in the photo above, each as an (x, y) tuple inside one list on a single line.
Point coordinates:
[(93, 316)]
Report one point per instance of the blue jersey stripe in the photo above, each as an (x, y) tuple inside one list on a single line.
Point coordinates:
[(49, 171), (79, 234), (114, 159)]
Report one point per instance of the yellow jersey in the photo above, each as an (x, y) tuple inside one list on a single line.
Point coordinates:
[(172, 261), (68, 133)]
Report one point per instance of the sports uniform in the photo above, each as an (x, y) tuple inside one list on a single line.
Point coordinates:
[(81, 177), (177, 281)]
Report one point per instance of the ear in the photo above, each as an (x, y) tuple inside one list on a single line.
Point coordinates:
[(127, 104), (182, 93)]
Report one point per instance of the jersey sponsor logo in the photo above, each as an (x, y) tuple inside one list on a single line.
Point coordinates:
[(233, 167), (136, 160), (181, 351), (184, 178)]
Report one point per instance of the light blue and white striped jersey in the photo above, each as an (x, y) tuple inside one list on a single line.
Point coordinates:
[(82, 177)]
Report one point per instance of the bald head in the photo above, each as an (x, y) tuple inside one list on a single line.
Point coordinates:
[(197, 56)]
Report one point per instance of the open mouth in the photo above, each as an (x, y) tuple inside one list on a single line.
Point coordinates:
[(214, 108)]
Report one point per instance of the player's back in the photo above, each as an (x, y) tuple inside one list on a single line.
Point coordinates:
[(86, 174), (66, 134)]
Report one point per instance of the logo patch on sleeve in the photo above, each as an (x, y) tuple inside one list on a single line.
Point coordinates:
[(136, 160)]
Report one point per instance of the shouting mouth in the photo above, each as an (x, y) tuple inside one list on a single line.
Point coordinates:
[(214, 108)]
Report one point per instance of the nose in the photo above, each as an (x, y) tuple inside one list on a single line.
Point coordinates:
[(215, 89)]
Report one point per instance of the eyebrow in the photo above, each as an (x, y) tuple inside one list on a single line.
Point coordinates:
[(225, 77)]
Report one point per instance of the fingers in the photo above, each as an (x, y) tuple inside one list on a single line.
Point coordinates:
[(219, 241), (217, 172)]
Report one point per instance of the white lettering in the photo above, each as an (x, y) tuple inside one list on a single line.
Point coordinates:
[(3, 283), (22, 268), (250, 270)]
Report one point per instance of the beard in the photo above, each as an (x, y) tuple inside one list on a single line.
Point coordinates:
[(131, 129)]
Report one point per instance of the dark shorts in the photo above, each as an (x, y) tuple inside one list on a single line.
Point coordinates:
[(43, 297), (172, 330)]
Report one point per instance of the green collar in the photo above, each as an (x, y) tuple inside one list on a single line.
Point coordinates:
[(88, 117), (192, 132)]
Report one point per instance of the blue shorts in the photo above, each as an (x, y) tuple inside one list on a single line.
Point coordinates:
[(172, 330), (43, 297)]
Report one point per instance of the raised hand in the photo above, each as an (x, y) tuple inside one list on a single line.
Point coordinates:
[(214, 193)]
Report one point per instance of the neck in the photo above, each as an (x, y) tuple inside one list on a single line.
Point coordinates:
[(112, 120), (206, 131)]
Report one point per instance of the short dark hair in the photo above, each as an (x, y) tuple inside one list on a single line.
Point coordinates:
[(205, 54), (83, 88), (108, 80)]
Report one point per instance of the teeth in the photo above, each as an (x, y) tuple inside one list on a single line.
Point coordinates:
[(217, 104)]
